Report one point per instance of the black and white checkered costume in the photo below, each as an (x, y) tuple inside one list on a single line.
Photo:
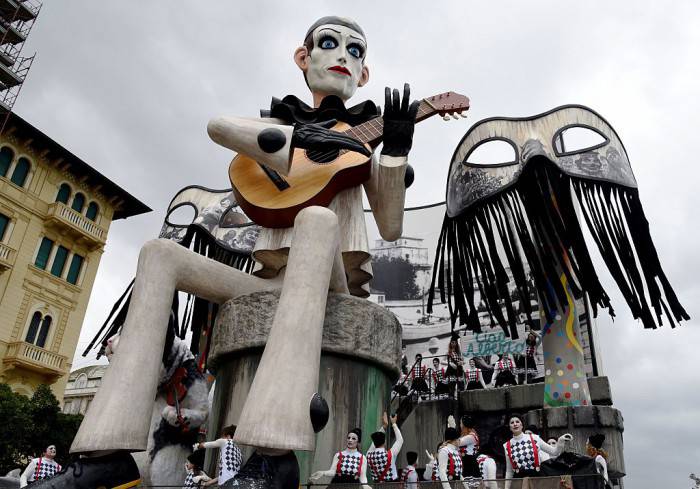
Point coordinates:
[(46, 468), (189, 481), (378, 459), (350, 463), (230, 460), (523, 454)]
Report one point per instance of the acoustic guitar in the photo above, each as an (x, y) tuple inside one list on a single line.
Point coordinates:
[(315, 177)]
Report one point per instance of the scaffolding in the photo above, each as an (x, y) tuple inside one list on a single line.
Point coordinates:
[(17, 18)]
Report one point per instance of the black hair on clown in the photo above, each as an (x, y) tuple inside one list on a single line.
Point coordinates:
[(379, 438)]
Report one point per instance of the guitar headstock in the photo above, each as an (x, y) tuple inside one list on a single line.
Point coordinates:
[(447, 104)]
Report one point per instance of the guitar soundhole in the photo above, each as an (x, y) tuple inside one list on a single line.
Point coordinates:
[(322, 157)]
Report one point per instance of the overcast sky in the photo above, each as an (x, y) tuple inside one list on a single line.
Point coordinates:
[(129, 87)]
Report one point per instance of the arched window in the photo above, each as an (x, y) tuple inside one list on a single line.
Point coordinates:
[(6, 157), (44, 331), (81, 381), (33, 327), (92, 211), (19, 176), (63, 193), (78, 202)]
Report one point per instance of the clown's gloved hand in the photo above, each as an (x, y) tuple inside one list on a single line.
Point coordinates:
[(399, 121), (319, 137)]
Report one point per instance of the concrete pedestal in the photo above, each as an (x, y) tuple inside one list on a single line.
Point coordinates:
[(361, 353)]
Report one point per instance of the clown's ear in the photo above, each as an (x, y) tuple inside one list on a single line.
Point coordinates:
[(301, 58), (364, 77)]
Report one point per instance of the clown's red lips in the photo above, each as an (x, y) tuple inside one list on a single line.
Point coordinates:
[(340, 69)]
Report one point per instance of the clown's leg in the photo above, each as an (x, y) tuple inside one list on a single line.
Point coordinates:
[(276, 413), (119, 416)]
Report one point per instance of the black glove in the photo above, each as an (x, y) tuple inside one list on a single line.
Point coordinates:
[(399, 121), (319, 137)]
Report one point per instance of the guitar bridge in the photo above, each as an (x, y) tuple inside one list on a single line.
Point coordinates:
[(277, 179)]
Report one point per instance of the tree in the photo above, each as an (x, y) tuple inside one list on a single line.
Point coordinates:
[(396, 277), (30, 425)]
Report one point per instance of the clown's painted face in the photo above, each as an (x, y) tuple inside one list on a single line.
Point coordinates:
[(352, 441), (335, 65), (50, 451), (516, 426)]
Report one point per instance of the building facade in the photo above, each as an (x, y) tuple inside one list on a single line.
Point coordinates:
[(81, 388), (55, 214)]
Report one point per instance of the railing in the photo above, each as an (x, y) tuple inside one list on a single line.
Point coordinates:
[(7, 256), (63, 213), (550, 482), (27, 354)]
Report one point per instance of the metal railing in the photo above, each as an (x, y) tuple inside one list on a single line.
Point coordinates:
[(549, 482)]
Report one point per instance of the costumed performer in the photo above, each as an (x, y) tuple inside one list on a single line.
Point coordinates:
[(41, 468), (326, 249), (195, 477), (594, 448), (474, 376), (349, 466), (469, 446), (449, 460), (382, 462), (230, 456), (522, 452), (409, 476), (487, 467)]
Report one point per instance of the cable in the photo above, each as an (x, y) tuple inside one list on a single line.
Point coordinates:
[(426, 206)]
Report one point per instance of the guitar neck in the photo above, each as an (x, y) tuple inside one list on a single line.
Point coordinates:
[(372, 131)]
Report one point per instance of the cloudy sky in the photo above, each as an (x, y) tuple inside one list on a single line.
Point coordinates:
[(129, 87)]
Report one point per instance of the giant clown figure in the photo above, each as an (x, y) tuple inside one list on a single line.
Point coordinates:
[(325, 250)]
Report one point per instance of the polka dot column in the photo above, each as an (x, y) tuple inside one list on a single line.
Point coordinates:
[(565, 376)]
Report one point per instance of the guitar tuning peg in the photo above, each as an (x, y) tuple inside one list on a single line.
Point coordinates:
[(455, 116), (446, 117), (463, 115)]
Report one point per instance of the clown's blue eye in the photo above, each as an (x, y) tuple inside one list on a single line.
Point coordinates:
[(328, 43), (355, 50)]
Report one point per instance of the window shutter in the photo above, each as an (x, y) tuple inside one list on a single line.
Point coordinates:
[(42, 257), (74, 271), (59, 261)]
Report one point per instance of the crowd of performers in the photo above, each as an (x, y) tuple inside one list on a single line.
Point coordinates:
[(445, 376), (459, 457)]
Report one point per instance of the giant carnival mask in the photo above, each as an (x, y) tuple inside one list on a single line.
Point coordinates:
[(522, 214)]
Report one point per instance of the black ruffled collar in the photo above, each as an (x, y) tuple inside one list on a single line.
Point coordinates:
[(292, 110)]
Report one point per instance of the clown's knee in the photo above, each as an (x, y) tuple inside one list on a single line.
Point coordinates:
[(316, 218)]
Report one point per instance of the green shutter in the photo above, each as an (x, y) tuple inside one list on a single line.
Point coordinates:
[(33, 327), (59, 261), (4, 221), (19, 175), (42, 257), (6, 156), (43, 332), (78, 202), (91, 211), (63, 194), (74, 270)]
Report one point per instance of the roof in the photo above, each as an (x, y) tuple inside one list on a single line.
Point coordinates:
[(129, 205), (92, 371)]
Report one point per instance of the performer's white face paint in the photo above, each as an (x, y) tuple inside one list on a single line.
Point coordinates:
[(50, 451), (335, 65), (352, 441), (516, 426)]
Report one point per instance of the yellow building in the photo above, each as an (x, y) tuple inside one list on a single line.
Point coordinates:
[(55, 213)]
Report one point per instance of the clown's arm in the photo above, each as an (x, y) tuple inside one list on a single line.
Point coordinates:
[(23, 480), (328, 473), (270, 142)]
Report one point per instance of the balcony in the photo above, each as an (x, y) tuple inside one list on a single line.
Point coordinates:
[(7, 257), (23, 355), (75, 224)]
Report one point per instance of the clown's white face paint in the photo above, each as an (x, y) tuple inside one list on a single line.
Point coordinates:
[(516, 426), (335, 65), (352, 441), (50, 451)]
